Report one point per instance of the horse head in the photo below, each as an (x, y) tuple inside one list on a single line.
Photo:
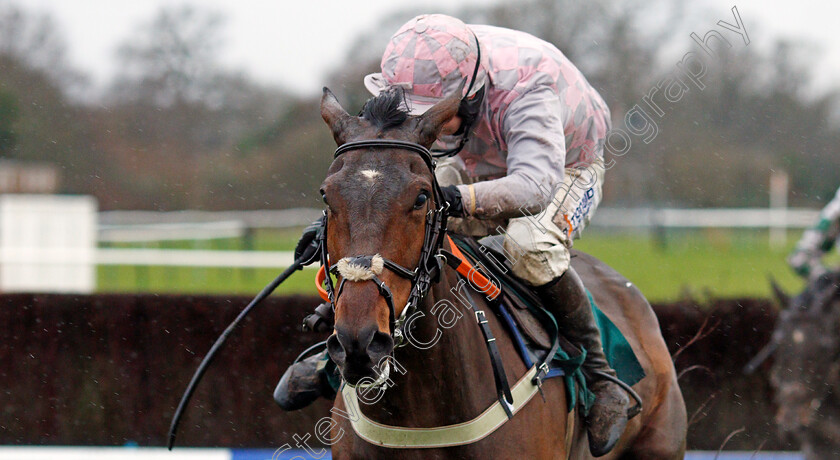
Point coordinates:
[(378, 205), (806, 366)]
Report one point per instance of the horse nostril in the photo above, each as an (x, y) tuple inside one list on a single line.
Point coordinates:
[(380, 345), (336, 350)]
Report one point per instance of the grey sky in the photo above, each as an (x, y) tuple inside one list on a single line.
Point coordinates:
[(285, 43)]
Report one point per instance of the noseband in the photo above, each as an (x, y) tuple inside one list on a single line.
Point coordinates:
[(368, 267)]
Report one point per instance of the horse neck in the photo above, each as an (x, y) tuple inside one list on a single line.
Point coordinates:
[(447, 381)]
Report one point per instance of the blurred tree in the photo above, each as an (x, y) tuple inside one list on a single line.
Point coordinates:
[(173, 87), (34, 82), (172, 59), (37, 42), (754, 114), (9, 114), (363, 57), (178, 111)]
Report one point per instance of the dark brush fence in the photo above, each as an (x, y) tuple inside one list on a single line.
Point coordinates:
[(711, 344), (110, 370)]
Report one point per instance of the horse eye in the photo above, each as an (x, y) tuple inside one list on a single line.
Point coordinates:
[(324, 197), (421, 200)]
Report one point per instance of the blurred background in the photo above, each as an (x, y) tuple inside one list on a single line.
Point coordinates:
[(177, 148), (214, 107)]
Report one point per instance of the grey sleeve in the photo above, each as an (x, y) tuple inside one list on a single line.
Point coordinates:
[(533, 130)]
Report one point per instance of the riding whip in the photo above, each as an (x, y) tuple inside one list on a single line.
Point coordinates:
[(303, 259)]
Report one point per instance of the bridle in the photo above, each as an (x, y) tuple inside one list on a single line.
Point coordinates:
[(428, 271), (430, 265)]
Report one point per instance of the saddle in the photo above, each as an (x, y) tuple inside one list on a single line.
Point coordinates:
[(517, 297), (522, 312)]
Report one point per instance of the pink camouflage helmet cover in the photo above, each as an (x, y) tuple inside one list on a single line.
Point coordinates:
[(429, 56)]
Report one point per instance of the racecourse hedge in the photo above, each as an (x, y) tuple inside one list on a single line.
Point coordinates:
[(110, 370)]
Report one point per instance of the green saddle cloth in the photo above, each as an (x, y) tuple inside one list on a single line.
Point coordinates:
[(617, 350)]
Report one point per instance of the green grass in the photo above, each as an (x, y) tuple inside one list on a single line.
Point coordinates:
[(699, 264), (188, 280)]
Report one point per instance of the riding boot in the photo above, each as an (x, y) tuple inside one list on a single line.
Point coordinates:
[(303, 382), (566, 298), (321, 320)]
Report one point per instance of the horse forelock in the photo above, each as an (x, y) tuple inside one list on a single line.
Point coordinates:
[(387, 110)]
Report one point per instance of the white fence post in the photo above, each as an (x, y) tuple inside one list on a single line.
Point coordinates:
[(778, 207), (47, 243)]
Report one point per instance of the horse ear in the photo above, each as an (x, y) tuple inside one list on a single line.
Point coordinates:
[(335, 116), (781, 296), (433, 120)]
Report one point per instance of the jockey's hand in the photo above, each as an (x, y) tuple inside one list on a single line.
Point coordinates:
[(452, 195), (807, 264), (307, 247)]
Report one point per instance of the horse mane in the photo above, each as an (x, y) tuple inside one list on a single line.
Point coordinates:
[(387, 110)]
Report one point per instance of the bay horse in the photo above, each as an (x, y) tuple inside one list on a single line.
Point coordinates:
[(382, 203)]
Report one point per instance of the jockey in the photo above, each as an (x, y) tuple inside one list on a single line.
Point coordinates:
[(806, 259), (525, 159)]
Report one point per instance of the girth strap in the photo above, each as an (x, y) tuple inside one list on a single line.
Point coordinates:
[(502, 387), (542, 316), (456, 260)]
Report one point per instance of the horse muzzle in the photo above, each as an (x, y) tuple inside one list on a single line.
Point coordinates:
[(360, 354)]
